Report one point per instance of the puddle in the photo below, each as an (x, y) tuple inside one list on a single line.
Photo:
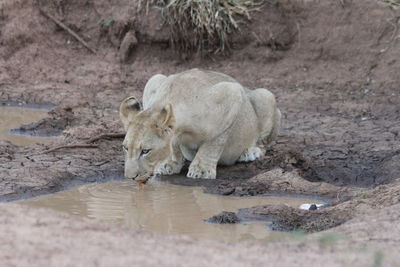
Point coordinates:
[(14, 117), (164, 208)]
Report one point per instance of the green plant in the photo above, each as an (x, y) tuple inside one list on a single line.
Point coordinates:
[(361, 193), (204, 25), (329, 239), (378, 258), (104, 23), (298, 235)]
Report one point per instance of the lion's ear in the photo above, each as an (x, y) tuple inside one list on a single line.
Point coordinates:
[(128, 110), (166, 119)]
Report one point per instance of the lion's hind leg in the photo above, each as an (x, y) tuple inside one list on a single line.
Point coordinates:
[(251, 154), (268, 121), (268, 115)]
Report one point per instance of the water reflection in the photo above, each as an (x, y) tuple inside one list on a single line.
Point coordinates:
[(14, 117), (163, 208)]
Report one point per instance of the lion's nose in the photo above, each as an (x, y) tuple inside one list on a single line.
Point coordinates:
[(131, 169)]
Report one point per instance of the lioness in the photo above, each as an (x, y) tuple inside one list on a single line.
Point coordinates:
[(202, 116)]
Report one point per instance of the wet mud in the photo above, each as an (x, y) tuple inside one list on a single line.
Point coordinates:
[(12, 117)]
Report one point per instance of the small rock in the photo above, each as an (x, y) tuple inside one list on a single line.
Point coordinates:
[(127, 45), (310, 206), (313, 207), (224, 217)]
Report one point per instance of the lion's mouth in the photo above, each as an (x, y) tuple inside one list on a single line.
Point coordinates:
[(142, 178)]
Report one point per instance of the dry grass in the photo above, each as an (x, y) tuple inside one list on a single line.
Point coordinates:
[(393, 3), (204, 25)]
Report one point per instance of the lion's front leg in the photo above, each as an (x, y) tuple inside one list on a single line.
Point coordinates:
[(173, 164), (168, 167), (204, 165)]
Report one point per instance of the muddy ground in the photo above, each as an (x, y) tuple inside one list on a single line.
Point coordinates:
[(333, 67)]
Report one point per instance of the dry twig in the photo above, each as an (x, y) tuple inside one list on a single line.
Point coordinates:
[(106, 136), (69, 146), (88, 144), (68, 29)]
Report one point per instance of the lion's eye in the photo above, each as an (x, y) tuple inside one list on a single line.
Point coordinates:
[(125, 148), (145, 152)]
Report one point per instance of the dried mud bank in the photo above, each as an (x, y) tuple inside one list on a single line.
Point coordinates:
[(333, 69), (63, 240)]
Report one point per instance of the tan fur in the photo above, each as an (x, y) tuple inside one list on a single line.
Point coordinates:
[(202, 116)]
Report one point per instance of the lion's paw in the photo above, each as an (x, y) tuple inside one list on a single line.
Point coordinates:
[(168, 168), (197, 172), (251, 154)]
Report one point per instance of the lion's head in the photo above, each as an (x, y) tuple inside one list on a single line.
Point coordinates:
[(148, 136)]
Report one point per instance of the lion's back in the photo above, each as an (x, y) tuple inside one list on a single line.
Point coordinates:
[(189, 86)]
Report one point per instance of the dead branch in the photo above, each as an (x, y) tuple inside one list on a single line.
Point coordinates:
[(69, 146), (88, 142), (106, 136), (68, 29)]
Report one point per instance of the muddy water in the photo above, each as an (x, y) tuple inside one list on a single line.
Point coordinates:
[(164, 208), (14, 117)]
